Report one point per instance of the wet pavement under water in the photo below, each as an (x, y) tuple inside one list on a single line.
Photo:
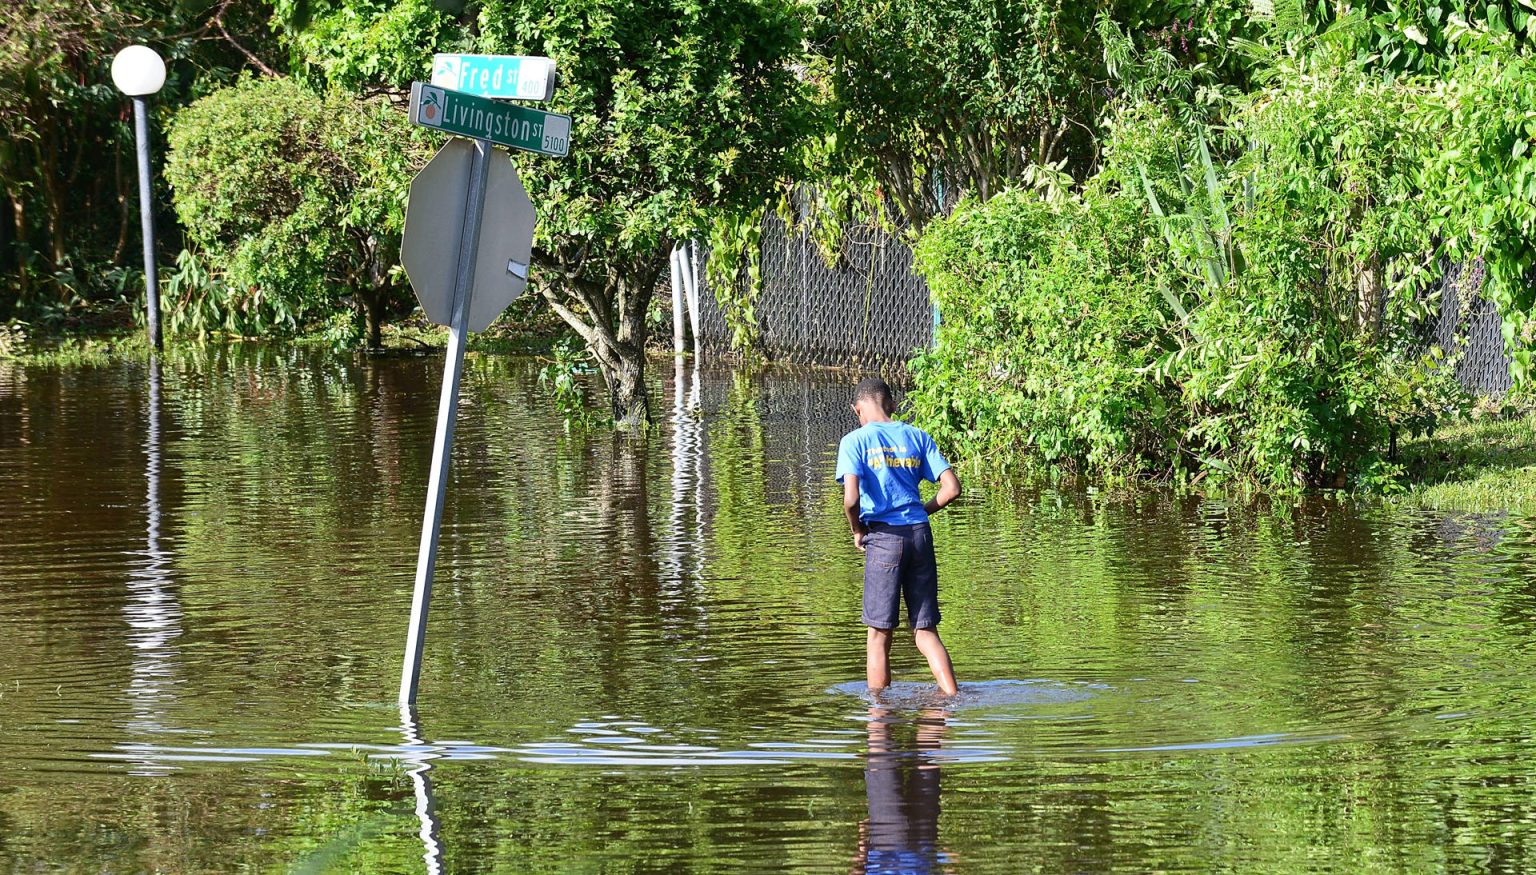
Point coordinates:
[(644, 652)]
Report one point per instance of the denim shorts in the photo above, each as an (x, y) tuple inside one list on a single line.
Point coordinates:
[(899, 564)]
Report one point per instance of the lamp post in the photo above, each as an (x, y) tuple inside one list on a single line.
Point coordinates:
[(138, 71)]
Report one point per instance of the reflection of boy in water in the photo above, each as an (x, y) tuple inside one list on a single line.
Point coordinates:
[(902, 832), (880, 465)]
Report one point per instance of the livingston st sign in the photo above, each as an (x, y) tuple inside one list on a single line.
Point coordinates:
[(506, 124)]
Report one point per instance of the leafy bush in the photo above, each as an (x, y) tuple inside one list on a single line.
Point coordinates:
[(198, 303), (1288, 354), (1050, 324), (562, 377), (1235, 300), (297, 200), (1480, 174)]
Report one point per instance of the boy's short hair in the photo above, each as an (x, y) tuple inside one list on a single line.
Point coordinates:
[(875, 389)]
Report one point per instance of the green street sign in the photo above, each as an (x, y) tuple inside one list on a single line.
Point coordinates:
[(506, 124), (518, 77)]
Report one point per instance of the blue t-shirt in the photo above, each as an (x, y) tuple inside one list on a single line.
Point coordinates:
[(890, 459)]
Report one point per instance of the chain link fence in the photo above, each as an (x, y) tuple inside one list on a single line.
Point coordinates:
[(1467, 328), (870, 310), (867, 310)]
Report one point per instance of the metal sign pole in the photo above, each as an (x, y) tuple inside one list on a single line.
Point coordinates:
[(447, 411)]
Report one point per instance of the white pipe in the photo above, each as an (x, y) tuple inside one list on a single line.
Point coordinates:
[(679, 325), (691, 286)]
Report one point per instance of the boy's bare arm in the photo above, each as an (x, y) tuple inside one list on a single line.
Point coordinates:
[(851, 509), (949, 490)]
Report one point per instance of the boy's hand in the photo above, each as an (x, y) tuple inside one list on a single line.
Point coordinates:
[(949, 490), (851, 509)]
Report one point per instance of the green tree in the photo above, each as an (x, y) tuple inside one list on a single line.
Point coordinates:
[(1480, 174), (299, 198), (1230, 301), (969, 92), (68, 189), (983, 96), (681, 111)]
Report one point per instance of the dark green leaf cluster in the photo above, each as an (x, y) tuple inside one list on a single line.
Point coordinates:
[(973, 91), (1239, 300), (68, 185), (298, 199), (1479, 181)]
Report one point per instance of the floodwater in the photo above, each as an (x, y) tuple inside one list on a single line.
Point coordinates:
[(644, 654)]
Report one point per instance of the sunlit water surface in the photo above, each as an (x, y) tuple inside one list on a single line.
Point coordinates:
[(644, 653)]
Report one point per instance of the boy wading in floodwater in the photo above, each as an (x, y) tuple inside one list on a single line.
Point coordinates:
[(880, 465)]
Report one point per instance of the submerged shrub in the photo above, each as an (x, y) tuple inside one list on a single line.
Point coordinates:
[(297, 201), (1235, 301), (1049, 326)]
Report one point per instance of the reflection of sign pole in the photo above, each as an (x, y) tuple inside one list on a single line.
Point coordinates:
[(420, 755), (438, 221)]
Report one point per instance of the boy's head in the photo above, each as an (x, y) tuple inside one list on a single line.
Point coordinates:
[(873, 400)]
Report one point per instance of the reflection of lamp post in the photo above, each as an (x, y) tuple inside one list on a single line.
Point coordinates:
[(153, 612), (138, 72)]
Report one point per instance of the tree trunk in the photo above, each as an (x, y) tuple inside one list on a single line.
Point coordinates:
[(53, 204), (375, 295), (7, 233), (373, 317), (605, 305), (626, 390), (1368, 298), (124, 209), (23, 275), (369, 302)]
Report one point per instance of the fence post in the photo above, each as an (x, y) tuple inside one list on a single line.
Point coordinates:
[(679, 326), (691, 286)]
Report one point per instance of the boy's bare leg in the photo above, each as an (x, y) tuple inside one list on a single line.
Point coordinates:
[(877, 658), (932, 648)]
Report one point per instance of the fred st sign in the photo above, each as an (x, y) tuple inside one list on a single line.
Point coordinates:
[(517, 77)]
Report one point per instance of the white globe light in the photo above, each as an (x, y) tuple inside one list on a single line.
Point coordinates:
[(138, 71)]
